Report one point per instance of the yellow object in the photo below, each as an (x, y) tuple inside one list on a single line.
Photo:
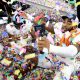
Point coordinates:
[(30, 56), (17, 72), (6, 62), (74, 24), (78, 3)]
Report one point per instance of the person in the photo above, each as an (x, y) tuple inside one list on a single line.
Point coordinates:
[(59, 26), (67, 54)]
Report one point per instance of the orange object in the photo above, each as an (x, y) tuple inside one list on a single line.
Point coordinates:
[(66, 40)]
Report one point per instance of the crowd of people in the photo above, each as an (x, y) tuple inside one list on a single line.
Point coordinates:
[(39, 46)]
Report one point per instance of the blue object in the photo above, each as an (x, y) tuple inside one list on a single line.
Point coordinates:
[(14, 18), (4, 34)]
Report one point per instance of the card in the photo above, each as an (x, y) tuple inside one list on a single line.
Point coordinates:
[(6, 62), (29, 56)]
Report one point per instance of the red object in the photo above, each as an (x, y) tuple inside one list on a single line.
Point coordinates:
[(37, 18), (0, 52)]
